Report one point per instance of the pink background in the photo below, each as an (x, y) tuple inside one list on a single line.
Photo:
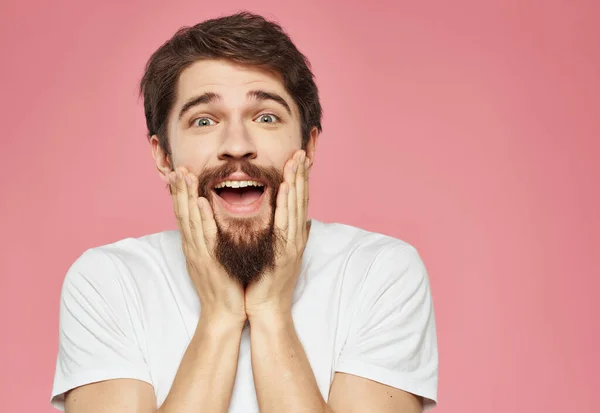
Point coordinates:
[(470, 131)]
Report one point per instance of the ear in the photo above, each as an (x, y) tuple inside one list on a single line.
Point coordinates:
[(311, 145), (163, 160)]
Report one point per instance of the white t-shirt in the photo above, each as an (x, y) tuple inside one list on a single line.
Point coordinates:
[(362, 305)]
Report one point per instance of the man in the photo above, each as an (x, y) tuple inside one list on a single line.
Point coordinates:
[(250, 306)]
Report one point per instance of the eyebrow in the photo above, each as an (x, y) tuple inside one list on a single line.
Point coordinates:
[(210, 97), (203, 99), (262, 95)]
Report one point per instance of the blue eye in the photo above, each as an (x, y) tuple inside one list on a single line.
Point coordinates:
[(201, 122), (267, 118)]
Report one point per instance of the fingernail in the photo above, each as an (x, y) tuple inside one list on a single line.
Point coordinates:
[(179, 175), (295, 167), (188, 181), (307, 163), (302, 156)]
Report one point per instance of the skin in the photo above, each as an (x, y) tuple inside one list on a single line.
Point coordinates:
[(283, 378), (236, 128)]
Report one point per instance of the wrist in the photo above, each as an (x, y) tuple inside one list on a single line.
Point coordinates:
[(219, 326), (270, 318)]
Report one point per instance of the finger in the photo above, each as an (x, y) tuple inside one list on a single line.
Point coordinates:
[(305, 201), (194, 212), (292, 203), (300, 188), (281, 211), (181, 209), (173, 190), (209, 226)]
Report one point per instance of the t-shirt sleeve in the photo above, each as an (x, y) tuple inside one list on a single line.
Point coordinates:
[(97, 338), (392, 337)]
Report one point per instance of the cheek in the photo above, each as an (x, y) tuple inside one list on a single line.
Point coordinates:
[(277, 160), (278, 152), (188, 150), (191, 155)]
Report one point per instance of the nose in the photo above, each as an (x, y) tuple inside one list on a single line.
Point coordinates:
[(237, 144)]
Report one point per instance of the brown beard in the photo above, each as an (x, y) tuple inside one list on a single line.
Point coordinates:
[(244, 252)]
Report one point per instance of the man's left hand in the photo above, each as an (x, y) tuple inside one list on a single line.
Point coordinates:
[(272, 295)]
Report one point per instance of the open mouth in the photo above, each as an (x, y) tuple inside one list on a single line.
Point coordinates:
[(240, 193)]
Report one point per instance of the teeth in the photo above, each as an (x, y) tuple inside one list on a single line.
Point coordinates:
[(237, 184)]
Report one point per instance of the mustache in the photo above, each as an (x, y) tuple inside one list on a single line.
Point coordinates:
[(268, 175)]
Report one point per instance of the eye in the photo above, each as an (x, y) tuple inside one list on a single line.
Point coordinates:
[(267, 118), (201, 122)]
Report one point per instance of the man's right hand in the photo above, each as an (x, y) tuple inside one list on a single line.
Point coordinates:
[(221, 297)]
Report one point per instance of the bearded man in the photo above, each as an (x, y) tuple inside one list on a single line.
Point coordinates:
[(249, 306)]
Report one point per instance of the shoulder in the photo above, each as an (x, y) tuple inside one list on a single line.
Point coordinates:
[(370, 261), (123, 259), (378, 249)]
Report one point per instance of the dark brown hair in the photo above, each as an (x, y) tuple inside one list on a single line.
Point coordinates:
[(244, 38)]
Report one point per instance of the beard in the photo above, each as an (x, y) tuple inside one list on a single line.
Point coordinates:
[(245, 247)]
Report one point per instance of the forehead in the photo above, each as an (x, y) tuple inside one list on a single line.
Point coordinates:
[(228, 79)]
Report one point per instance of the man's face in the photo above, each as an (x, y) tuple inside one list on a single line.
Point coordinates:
[(234, 127)]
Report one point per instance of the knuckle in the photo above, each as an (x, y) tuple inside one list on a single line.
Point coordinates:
[(281, 234)]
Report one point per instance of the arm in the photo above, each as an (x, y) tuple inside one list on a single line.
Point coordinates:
[(354, 394), (205, 378), (204, 381), (283, 378), (285, 382)]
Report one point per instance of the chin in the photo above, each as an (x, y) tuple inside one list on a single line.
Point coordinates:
[(243, 198), (244, 229), (245, 246)]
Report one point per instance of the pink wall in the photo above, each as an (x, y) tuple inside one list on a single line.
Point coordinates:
[(470, 131)]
